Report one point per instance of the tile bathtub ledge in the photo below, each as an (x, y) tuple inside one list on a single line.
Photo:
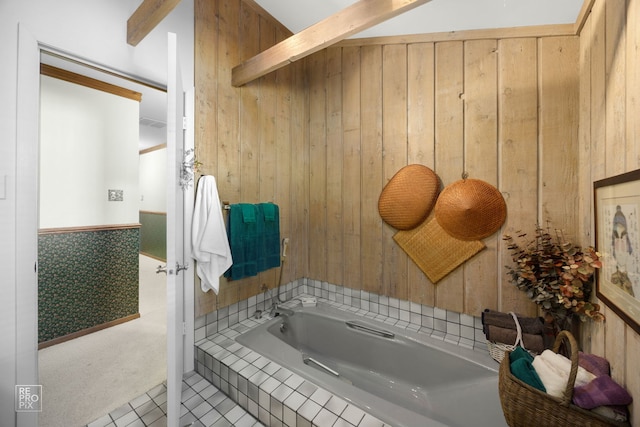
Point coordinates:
[(275, 395)]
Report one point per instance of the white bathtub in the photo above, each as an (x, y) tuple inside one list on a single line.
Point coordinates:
[(403, 378)]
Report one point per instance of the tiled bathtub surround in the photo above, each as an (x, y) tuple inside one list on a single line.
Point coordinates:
[(453, 327), (278, 397), (271, 393)]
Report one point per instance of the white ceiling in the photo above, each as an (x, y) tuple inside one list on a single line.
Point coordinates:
[(433, 17)]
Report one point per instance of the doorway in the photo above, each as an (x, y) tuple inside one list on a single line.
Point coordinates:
[(92, 375)]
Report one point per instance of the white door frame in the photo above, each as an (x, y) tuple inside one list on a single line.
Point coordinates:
[(27, 158), (26, 246)]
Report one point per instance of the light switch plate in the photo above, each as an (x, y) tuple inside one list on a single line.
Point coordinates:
[(115, 195)]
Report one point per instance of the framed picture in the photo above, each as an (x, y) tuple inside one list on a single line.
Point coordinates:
[(617, 211)]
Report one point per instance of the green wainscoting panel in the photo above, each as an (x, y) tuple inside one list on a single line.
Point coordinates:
[(153, 234), (85, 279)]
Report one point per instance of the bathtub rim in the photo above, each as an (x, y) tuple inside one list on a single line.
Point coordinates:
[(335, 387), (479, 357)]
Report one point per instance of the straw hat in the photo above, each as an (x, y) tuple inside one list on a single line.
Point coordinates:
[(470, 209), (409, 197)]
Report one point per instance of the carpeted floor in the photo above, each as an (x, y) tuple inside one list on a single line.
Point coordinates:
[(90, 376)]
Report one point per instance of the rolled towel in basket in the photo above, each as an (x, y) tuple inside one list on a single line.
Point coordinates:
[(553, 369), (522, 368), (602, 391), (595, 364), (534, 343), (614, 412), (529, 325)]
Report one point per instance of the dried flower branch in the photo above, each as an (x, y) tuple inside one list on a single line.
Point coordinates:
[(555, 274)]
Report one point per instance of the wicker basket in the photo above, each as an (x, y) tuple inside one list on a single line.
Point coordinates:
[(497, 350), (525, 406)]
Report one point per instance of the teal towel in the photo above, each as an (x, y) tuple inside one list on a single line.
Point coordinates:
[(248, 212), (269, 251), (269, 210), (522, 368), (244, 238), (520, 353)]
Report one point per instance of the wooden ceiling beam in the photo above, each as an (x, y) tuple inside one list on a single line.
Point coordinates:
[(149, 14), (351, 20)]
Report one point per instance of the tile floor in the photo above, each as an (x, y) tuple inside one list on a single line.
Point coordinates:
[(203, 405)]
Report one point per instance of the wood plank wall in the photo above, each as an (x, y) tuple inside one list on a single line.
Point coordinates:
[(505, 110), (610, 145), (498, 105), (539, 113), (252, 139)]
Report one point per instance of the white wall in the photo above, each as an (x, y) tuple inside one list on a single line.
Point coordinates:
[(95, 30), (88, 146), (153, 181)]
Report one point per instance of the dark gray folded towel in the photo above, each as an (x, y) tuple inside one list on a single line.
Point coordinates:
[(531, 342), (529, 325)]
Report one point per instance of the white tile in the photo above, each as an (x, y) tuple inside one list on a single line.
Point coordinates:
[(269, 385), (336, 405), (325, 418), (309, 410), (100, 422), (294, 401), (230, 359), (307, 388), (342, 423), (139, 400), (414, 307), (271, 368), (208, 391), (466, 319), (289, 417), (263, 415), (235, 414), (264, 399), (210, 417), (321, 396), (121, 411), (146, 407), (126, 419), (258, 378), (193, 402), (188, 394), (202, 409), (276, 407), (153, 416), (282, 392), (353, 414), (245, 421), (261, 362), (282, 375), (453, 316), (200, 385), (248, 371), (294, 381), (370, 421)]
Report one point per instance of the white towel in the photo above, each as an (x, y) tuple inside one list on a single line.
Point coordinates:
[(209, 236), (553, 370)]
